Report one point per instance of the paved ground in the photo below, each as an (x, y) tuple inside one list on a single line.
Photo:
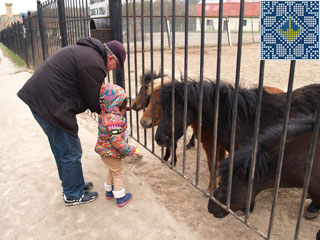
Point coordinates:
[(32, 206)]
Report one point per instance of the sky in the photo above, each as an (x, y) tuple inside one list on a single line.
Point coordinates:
[(19, 6)]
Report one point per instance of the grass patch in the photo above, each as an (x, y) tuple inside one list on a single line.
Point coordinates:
[(16, 59)]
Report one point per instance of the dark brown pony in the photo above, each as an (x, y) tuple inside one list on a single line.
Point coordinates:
[(295, 159), (206, 138)]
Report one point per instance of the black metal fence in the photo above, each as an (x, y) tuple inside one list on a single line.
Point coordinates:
[(55, 24), (141, 38)]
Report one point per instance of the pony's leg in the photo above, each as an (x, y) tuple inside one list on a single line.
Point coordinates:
[(191, 142), (220, 155), (168, 153), (208, 149), (174, 155)]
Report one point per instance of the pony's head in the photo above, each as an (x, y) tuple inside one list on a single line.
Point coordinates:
[(143, 97), (146, 119), (240, 180), (163, 134)]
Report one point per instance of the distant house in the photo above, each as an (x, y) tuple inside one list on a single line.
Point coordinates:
[(231, 12), (9, 18)]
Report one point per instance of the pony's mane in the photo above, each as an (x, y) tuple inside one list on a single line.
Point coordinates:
[(148, 76), (266, 142), (246, 97)]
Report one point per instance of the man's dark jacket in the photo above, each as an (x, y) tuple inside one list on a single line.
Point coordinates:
[(68, 83)]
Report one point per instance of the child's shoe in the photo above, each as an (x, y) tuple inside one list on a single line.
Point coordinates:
[(122, 197), (108, 189)]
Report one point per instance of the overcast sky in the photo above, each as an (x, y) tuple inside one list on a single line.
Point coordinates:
[(19, 6)]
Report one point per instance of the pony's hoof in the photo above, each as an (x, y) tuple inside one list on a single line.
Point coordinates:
[(310, 215), (189, 146)]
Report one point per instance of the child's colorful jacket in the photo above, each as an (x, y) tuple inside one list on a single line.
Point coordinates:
[(112, 125)]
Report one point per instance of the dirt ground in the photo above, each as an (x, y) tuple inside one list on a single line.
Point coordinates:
[(164, 204)]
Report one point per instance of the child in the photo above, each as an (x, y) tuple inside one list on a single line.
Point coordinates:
[(111, 144)]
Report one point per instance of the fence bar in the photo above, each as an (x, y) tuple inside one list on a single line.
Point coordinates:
[(143, 67), (62, 23), (20, 35), (128, 54), (31, 38), (25, 36), (151, 60), (41, 29), (162, 53), (116, 33), (282, 145), (203, 13), (173, 78), (136, 68), (255, 139), (185, 85), (309, 169), (216, 100), (235, 100)]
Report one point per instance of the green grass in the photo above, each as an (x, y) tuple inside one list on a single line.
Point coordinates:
[(16, 59)]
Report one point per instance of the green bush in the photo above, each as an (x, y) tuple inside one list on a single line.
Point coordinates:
[(16, 59)]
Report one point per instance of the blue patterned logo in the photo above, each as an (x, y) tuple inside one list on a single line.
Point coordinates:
[(289, 29)]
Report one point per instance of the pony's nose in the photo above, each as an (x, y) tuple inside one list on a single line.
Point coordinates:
[(158, 140), (143, 123)]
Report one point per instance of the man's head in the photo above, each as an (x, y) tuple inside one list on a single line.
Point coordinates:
[(116, 54)]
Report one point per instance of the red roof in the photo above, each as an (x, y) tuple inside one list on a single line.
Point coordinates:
[(231, 8)]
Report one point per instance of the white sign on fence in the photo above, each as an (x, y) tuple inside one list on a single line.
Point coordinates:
[(98, 8)]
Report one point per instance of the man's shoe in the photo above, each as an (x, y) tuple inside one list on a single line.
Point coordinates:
[(85, 198), (87, 186)]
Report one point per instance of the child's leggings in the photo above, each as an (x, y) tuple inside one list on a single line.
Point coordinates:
[(115, 172)]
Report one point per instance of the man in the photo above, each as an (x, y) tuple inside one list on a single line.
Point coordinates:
[(66, 84)]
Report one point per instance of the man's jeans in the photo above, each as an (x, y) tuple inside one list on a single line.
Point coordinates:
[(67, 152)]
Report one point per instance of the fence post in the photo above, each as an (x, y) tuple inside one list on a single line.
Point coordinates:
[(31, 38), (41, 30), (15, 48), (62, 23), (19, 39), (115, 11), (25, 40)]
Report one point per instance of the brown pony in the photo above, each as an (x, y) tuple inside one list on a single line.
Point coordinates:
[(143, 98), (206, 137)]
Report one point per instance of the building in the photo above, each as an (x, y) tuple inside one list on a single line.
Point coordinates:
[(231, 11), (9, 18)]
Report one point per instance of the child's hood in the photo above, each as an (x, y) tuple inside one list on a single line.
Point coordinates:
[(111, 98)]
